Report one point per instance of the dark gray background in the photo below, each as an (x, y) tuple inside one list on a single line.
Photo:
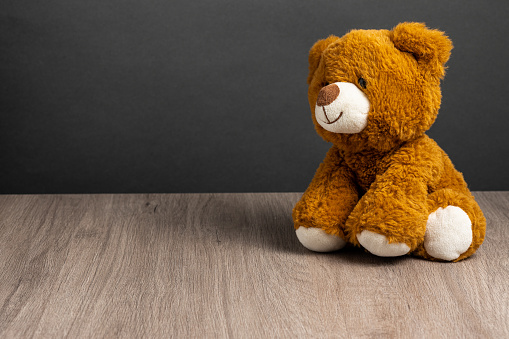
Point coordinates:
[(210, 96)]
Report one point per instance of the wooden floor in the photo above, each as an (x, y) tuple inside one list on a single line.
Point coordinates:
[(229, 265)]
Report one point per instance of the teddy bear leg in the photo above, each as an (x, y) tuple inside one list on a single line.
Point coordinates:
[(455, 227)]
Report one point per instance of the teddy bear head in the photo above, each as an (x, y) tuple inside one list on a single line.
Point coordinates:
[(375, 89)]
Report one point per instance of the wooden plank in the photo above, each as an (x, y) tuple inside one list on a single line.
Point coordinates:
[(228, 265)]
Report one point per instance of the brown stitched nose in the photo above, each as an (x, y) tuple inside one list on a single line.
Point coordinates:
[(327, 95)]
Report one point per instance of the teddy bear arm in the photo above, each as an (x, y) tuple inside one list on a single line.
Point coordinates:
[(330, 197), (394, 206)]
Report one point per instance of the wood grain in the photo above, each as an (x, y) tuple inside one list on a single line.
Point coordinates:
[(228, 265)]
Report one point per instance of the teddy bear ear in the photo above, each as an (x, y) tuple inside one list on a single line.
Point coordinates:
[(430, 47), (316, 53)]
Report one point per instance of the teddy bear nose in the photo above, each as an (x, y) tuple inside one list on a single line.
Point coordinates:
[(327, 95)]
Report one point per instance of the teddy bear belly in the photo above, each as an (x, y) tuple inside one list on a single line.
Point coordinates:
[(365, 176), (366, 166)]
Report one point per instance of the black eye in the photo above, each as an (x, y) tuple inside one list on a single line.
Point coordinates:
[(325, 84), (362, 82)]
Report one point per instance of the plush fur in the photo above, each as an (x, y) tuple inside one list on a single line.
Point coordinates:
[(391, 176)]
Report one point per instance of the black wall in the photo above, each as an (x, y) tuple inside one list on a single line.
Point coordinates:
[(210, 96)]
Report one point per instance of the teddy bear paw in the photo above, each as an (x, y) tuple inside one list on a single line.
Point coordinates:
[(316, 239), (448, 233), (378, 244)]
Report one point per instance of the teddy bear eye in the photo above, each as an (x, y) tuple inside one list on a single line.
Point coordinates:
[(362, 82), (325, 84)]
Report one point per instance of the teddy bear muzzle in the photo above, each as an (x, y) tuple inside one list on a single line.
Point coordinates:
[(341, 107)]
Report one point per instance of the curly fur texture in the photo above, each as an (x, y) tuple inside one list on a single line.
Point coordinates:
[(391, 176)]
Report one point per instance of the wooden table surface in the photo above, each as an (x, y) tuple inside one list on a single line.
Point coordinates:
[(229, 265)]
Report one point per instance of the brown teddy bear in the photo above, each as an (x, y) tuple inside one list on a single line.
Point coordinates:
[(384, 184)]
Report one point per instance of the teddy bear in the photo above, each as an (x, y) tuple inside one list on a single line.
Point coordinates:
[(384, 185)]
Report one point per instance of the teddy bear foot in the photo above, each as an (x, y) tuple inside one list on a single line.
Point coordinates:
[(378, 244), (316, 239), (448, 233)]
